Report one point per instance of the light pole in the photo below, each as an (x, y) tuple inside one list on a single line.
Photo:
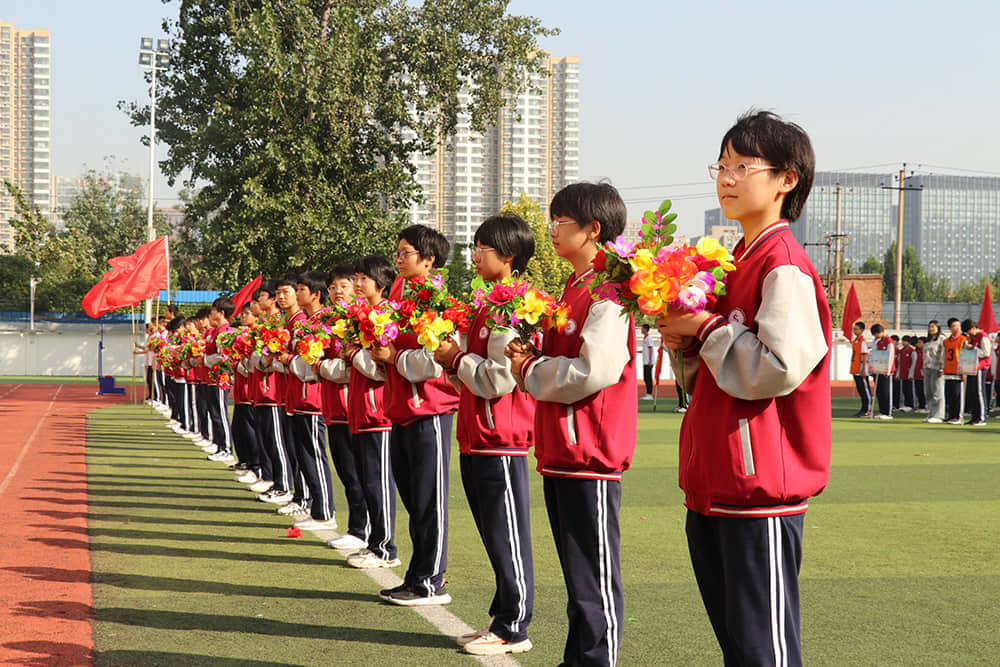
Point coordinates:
[(156, 60), (33, 283)]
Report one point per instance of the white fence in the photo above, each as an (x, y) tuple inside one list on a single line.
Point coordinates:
[(71, 349)]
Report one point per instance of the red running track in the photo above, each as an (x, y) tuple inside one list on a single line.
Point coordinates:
[(45, 594)]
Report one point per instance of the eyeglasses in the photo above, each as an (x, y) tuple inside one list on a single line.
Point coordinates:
[(554, 225), (477, 251), (400, 255), (718, 170)]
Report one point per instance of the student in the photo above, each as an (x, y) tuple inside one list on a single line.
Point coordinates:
[(907, 363), (370, 430), (335, 374), (884, 381), (495, 431), (174, 379), (584, 382), (253, 467), (217, 398), (975, 384), (756, 440), (648, 359), (897, 388), (952, 345), (420, 404), (933, 380), (145, 349), (918, 375), (304, 409), (859, 369), (203, 436), (268, 390), (991, 375)]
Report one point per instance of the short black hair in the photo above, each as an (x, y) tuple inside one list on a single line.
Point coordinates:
[(202, 313), (428, 242), (339, 272), (967, 325), (645, 327), (287, 280), (587, 202), (224, 305), (861, 324), (784, 145), (877, 328), (246, 306), (510, 236), (267, 287), (952, 319), (172, 307), (314, 280), (379, 269), (176, 323)]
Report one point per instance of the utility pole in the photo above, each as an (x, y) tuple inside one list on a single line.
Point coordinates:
[(836, 283), (898, 291)]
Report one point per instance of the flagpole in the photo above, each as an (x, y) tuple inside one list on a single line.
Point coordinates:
[(131, 317), (166, 249)]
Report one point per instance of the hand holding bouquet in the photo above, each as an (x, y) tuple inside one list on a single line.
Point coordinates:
[(312, 337), (517, 305)]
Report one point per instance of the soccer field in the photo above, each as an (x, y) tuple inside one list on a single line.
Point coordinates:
[(901, 559)]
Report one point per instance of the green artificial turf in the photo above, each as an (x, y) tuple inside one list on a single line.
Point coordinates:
[(900, 567), (121, 381)]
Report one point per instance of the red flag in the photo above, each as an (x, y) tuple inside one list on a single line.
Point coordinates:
[(987, 322), (132, 278), (852, 313), (244, 294)]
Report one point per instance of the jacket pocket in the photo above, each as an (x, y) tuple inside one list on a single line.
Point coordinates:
[(746, 445), (488, 411), (416, 396), (571, 424), (371, 400)]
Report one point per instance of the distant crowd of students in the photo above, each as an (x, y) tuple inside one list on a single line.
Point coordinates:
[(942, 377)]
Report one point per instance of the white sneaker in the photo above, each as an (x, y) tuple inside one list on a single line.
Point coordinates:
[(366, 560), (210, 448), (221, 457), (954, 421), (462, 640), (310, 523), (172, 423), (490, 644), (882, 416), (192, 435), (933, 420), (261, 486), (647, 397), (289, 508), (347, 541), (300, 514), (275, 496), (906, 409), (248, 477)]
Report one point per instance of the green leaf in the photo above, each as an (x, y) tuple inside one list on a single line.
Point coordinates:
[(665, 207)]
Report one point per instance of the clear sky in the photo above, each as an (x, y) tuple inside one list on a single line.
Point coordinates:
[(874, 83)]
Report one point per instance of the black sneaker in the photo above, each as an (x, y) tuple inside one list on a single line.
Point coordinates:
[(411, 598), (386, 592)]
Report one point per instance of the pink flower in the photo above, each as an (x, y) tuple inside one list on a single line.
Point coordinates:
[(609, 291), (690, 299), (436, 279), (502, 293), (705, 281), (621, 247)]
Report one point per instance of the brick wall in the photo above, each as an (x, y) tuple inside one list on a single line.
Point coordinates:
[(869, 290)]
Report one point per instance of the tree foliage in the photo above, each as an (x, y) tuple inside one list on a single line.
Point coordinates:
[(917, 285), (546, 268), (460, 271), (298, 118)]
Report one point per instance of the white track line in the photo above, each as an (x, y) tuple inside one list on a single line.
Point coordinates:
[(27, 444), (12, 389)]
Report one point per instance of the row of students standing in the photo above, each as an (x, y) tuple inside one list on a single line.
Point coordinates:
[(389, 410), (924, 373)]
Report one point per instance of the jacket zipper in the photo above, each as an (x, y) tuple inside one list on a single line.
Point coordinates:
[(489, 415), (749, 469), (371, 399), (416, 397)]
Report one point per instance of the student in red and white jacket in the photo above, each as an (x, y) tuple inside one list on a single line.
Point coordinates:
[(907, 363), (253, 467), (495, 431), (304, 407), (884, 381), (268, 391), (975, 384), (584, 382), (755, 442), (335, 374), (420, 404), (370, 429), (217, 398)]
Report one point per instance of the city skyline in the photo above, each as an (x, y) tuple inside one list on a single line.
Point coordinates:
[(662, 85)]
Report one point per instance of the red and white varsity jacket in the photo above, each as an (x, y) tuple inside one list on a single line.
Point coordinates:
[(585, 387), (301, 398), (366, 395), (755, 441), (495, 418)]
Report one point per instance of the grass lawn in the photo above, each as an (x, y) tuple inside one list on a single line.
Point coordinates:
[(901, 559)]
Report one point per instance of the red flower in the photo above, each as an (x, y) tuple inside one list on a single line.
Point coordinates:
[(407, 308), (600, 260), (425, 294), (293, 532), (704, 263)]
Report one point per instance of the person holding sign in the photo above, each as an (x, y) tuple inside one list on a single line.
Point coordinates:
[(881, 360), (978, 344), (953, 400)]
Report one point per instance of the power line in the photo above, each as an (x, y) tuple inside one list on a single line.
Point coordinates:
[(968, 171)]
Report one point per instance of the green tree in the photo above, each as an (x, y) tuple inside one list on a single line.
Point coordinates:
[(917, 285), (301, 116), (546, 268), (460, 271), (871, 265)]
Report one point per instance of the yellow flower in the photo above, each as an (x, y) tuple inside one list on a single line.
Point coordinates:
[(339, 329), (532, 308), (712, 249), (642, 261)]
